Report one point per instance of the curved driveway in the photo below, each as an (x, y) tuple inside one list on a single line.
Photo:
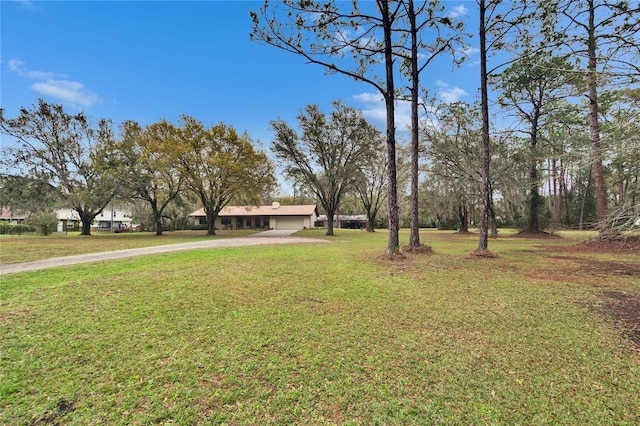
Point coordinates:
[(262, 238)]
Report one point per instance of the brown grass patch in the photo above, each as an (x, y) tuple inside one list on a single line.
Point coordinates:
[(419, 249), (486, 254), (624, 310)]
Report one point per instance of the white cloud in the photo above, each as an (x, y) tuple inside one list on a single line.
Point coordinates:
[(67, 91), (375, 110), (19, 67), (450, 94), (458, 11), (53, 85), (27, 4)]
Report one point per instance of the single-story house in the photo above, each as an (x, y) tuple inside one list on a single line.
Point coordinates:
[(14, 217), (274, 216), (344, 221)]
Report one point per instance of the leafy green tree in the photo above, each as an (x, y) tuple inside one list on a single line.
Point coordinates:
[(371, 185), (602, 38), (329, 153), (533, 88), (26, 194), (452, 148), (68, 153), (149, 159), (219, 166)]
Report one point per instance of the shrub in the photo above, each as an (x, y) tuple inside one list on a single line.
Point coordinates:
[(7, 228)]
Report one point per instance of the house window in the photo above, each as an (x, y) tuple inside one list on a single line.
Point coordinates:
[(265, 222), (226, 222)]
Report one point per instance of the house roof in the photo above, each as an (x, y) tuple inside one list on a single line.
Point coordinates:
[(8, 213), (272, 210)]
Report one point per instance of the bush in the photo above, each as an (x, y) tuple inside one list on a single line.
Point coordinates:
[(45, 222), (7, 228)]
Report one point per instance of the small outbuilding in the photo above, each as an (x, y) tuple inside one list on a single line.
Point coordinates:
[(275, 216)]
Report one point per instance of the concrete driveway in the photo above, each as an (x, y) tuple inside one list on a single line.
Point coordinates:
[(261, 238)]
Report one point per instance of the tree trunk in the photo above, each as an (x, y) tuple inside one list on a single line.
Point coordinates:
[(211, 222), (534, 196), (483, 243), (594, 125), (371, 218), (492, 215), (553, 194), (463, 217), (330, 215), (584, 201), (157, 217), (564, 200), (393, 246), (414, 234), (85, 220), (370, 223), (86, 225)]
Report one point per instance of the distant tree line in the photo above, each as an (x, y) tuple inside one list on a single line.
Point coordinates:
[(552, 141), (561, 150)]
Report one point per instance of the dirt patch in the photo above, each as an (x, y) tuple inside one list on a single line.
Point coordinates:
[(598, 245), (54, 417), (592, 267), (610, 245), (624, 310)]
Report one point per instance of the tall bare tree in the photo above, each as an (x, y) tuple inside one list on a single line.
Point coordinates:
[(430, 33), (349, 42)]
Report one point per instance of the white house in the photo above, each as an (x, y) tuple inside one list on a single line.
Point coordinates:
[(113, 217), (274, 216), (68, 220)]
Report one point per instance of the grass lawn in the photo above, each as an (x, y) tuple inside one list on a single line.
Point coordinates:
[(326, 334)]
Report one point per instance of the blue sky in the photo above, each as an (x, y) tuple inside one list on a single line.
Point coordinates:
[(149, 60)]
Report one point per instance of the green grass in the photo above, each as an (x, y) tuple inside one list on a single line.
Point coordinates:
[(321, 334)]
